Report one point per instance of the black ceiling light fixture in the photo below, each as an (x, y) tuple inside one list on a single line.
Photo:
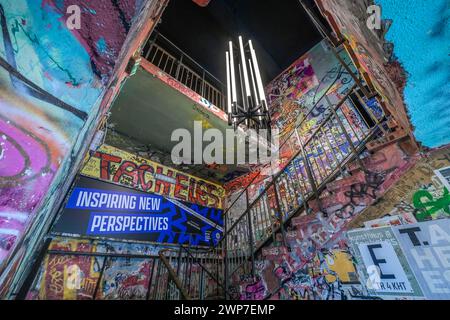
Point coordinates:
[(246, 99)]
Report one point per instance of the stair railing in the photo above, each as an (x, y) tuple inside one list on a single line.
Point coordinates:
[(196, 273)]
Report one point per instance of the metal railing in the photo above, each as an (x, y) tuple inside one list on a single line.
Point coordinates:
[(162, 53), (156, 286), (320, 154), (176, 273), (198, 273)]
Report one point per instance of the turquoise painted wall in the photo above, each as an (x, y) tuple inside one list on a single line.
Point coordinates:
[(421, 34)]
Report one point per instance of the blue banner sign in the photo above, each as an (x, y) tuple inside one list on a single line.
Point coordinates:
[(104, 210)]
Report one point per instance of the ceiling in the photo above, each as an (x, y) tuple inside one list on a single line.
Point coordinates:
[(281, 31), (146, 113)]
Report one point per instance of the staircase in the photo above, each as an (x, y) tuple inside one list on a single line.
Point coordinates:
[(332, 148)]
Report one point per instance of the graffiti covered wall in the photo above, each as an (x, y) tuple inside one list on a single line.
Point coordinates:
[(316, 243), (422, 191), (117, 166), (52, 81), (391, 185), (132, 271), (316, 262), (76, 277)]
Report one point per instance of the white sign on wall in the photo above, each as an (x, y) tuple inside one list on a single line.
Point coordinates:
[(391, 276), (382, 265)]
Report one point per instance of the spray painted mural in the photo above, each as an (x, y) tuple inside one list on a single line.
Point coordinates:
[(78, 270), (120, 167), (51, 84), (422, 191), (305, 265), (370, 54)]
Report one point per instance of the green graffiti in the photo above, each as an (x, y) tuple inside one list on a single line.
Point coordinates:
[(427, 205)]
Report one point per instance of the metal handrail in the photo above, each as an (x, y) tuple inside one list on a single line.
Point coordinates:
[(276, 176), (201, 80), (158, 34), (184, 256), (351, 155), (287, 209), (206, 270), (274, 179)]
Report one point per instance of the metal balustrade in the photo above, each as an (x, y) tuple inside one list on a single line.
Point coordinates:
[(319, 155), (162, 53), (176, 273), (196, 274)]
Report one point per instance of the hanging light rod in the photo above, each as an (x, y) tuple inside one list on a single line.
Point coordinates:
[(246, 99)]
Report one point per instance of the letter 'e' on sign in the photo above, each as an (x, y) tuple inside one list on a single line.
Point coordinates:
[(392, 277)]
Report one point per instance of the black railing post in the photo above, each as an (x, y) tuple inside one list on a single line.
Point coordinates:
[(225, 254), (180, 62), (151, 277), (277, 202), (202, 284), (310, 175), (250, 230), (30, 279), (203, 84), (158, 276), (179, 260), (150, 45)]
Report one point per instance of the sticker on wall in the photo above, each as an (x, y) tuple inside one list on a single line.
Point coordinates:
[(99, 209)]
